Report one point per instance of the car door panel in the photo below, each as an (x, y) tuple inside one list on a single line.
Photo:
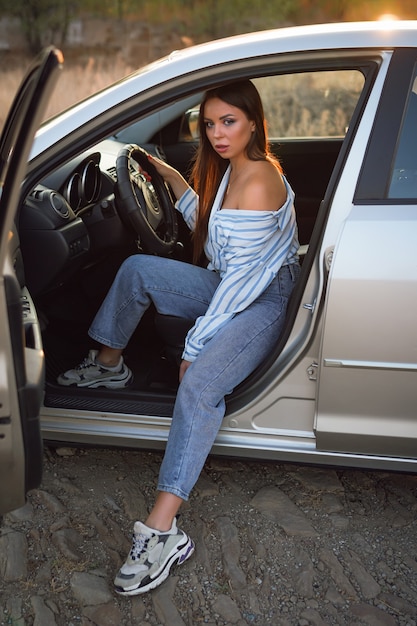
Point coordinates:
[(21, 354), (367, 391)]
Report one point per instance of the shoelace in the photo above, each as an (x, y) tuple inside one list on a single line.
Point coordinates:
[(86, 363), (139, 542)]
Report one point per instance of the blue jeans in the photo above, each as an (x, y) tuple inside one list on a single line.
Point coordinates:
[(186, 290)]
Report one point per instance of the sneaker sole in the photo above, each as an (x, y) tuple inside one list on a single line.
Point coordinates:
[(179, 557), (96, 384)]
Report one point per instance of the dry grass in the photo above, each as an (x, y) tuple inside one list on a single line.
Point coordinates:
[(78, 81), (10, 81), (310, 104)]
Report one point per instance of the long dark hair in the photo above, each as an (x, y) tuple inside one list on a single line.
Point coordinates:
[(209, 167)]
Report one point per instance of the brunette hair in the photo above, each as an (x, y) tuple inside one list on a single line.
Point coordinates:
[(209, 166)]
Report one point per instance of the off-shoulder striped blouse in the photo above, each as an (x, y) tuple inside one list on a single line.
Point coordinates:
[(247, 249)]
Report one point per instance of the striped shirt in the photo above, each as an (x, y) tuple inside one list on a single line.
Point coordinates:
[(247, 249)]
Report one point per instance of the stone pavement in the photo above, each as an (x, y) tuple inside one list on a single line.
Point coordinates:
[(276, 544)]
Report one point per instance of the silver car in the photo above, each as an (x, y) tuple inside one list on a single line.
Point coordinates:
[(340, 386)]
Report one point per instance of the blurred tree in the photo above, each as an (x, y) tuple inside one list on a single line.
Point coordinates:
[(215, 18), (43, 22), (121, 9)]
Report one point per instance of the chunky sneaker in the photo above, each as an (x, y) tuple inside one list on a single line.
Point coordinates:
[(92, 374), (151, 557)]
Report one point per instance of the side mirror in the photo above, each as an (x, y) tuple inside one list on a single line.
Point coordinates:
[(189, 129)]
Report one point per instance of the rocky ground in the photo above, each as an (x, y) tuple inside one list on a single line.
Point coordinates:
[(276, 544)]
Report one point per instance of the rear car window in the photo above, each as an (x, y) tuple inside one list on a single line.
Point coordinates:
[(403, 182)]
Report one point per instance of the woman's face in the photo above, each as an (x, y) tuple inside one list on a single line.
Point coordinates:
[(227, 128)]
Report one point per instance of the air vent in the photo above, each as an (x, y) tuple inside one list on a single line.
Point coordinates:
[(59, 205)]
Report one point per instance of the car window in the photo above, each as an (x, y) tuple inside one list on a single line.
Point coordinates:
[(301, 105), (310, 104), (404, 174)]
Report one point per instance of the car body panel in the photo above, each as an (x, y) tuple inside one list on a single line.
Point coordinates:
[(371, 375), (367, 380)]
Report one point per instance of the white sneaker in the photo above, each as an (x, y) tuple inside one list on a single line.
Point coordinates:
[(92, 374), (151, 557)]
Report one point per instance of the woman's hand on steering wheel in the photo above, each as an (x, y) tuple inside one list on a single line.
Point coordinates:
[(170, 175), (144, 201)]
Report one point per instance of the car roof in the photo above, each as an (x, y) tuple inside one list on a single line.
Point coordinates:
[(183, 63), (392, 33)]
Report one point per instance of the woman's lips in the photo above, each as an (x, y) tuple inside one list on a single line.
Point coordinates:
[(221, 148)]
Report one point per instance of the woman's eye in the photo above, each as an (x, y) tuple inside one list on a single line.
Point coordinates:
[(228, 122), (209, 124)]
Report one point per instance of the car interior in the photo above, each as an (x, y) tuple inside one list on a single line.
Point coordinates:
[(76, 229)]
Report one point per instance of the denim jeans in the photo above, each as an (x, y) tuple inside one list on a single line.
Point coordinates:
[(236, 349)]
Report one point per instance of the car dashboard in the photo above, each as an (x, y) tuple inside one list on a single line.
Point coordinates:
[(70, 219)]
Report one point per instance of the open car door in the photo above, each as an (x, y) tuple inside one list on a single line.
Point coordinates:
[(21, 354)]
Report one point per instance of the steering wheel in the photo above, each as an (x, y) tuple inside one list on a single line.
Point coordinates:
[(144, 204)]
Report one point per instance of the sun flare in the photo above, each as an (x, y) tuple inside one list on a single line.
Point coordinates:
[(388, 17)]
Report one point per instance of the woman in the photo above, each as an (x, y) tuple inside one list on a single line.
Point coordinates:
[(242, 218)]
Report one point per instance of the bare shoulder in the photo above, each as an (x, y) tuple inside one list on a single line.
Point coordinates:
[(263, 189)]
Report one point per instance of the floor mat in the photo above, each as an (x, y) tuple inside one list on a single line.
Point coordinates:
[(152, 392)]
